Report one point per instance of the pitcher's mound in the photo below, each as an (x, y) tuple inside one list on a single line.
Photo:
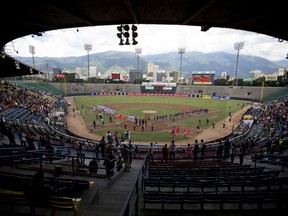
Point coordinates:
[(149, 111)]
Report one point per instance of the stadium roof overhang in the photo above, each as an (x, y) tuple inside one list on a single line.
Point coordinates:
[(21, 18)]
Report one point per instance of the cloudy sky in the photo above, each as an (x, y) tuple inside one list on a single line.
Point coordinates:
[(152, 39)]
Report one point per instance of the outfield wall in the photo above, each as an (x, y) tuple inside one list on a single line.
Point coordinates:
[(235, 92)]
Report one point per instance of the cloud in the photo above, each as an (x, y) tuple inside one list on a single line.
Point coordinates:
[(153, 39)]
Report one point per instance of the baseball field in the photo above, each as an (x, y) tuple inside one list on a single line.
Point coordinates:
[(186, 115)]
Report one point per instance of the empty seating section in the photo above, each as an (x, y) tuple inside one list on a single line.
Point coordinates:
[(65, 204), (14, 187), (271, 158), (11, 199), (215, 201), (236, 92), (44, 87), (20, 182), (212, 185), (276, 95), (24, 116)]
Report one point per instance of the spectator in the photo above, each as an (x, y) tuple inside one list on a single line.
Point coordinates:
[(96, 151), (81, 153), (109, 164), (165, 153), (219, 150), (268, 145), (242, 153), (125, 155), (50, 150), (227, 146), (23, 139), (37, 193), (150, 152), (130, 157), (93, 165), (189, 150), (233, 152), (172, 150), (195, 150), (102, 145), (202, 149)]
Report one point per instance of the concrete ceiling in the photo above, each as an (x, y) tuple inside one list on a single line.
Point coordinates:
[(21, 18)]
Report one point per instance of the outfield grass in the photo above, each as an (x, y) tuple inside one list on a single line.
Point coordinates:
[(218, 110)]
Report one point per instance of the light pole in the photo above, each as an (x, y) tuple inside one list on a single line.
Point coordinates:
[(138, 51), (32, 51), (181, 51), (88, 47), (237, 46)]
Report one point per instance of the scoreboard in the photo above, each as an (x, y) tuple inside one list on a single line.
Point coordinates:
[(203, 77)]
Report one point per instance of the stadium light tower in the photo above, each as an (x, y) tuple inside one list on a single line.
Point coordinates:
[(138, 51), (237, 46), (88, 47), (181, 51), (32, 51)]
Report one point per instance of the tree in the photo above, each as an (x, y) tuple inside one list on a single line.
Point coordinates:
[(221, 82)]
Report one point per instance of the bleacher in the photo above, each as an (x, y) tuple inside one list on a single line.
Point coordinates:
[(282, 93), (212, 186), (15, 198), (45, 87)]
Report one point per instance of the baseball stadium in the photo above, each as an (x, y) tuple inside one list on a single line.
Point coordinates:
[(126, 115), (140, 147)]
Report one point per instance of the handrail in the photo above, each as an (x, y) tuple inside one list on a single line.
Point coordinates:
[(133, 193), (42, 157)]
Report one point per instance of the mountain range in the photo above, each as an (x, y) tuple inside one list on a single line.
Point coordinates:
[(117, 61)]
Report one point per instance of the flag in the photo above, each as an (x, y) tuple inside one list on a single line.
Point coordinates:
[(187, 131), (177, 131), (120, 116)]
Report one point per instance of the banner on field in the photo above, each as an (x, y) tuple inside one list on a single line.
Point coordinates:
[(207, 96)]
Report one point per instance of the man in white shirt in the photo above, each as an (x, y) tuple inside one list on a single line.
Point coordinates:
[(172, 150)]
